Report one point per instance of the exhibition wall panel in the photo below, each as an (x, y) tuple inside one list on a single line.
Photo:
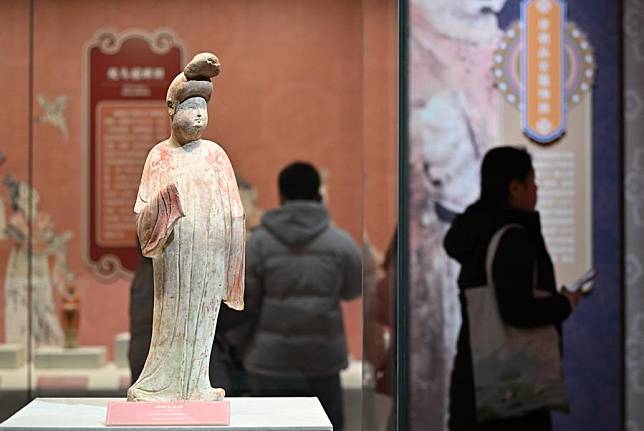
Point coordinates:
[(633, 209), (469, 91)]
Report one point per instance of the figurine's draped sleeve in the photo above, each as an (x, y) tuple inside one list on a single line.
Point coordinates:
[(157, 207), (235, 292)]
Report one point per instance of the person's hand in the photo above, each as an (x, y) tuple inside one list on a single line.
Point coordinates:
[(573, 297)]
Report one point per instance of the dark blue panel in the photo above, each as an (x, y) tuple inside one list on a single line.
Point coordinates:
[(593, 340)]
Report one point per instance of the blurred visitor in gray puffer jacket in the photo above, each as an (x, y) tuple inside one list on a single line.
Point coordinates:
[(298, 269)]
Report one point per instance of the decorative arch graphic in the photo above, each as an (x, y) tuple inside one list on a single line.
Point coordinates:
[(126, 75)]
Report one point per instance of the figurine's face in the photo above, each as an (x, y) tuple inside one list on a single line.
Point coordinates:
[(191, 117), (474, 21)]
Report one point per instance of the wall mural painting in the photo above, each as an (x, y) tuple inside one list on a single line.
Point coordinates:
[(50, 274), (453, 121), (473, 86), (53, 113)]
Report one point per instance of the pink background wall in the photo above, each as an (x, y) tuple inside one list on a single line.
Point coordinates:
[(294, 85)]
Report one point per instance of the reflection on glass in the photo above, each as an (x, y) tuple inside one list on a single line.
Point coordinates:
[(379, 339)]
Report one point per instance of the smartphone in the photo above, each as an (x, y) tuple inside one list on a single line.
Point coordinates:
[(585, 282)]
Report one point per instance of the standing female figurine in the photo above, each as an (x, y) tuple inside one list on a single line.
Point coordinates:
[(190, 221), (522, 275)]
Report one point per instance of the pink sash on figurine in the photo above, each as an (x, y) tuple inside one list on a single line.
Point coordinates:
[(156, 220)]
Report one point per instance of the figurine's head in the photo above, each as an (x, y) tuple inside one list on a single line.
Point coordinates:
[(190, 118), (193, 81), (188, 97)]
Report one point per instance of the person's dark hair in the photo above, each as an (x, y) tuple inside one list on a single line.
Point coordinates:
[(299, 181), (500, 166)]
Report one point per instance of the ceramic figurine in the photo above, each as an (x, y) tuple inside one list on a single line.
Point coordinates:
[(190, 221), (70, 316)]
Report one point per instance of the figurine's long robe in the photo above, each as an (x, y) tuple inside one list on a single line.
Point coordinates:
[(191, 222)]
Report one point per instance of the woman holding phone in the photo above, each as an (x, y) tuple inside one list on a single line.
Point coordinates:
[(522, 276)]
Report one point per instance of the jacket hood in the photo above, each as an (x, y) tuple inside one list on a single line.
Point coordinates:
[(297, 222), (475, 227)]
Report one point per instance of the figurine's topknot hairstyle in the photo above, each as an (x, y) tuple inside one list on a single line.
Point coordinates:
[(193, 81)]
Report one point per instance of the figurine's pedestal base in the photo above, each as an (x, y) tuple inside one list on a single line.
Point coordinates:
[(12, 356), (248, 414), (78, 357)]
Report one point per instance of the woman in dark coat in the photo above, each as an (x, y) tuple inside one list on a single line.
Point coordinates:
[(508, 196)]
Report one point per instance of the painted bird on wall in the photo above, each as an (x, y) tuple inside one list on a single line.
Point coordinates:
[(54, 113)]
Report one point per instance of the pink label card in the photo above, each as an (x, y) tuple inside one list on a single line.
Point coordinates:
[(178, 413)]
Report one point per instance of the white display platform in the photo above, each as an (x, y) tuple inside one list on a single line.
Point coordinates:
[(248, 414), (78, 357)]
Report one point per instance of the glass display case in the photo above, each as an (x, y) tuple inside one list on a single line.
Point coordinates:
[(314, 82)]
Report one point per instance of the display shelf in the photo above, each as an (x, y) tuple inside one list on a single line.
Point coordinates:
[(111, 377), (121, 346), (12, 356), (78, 357), (106, 378), (248, 414)]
